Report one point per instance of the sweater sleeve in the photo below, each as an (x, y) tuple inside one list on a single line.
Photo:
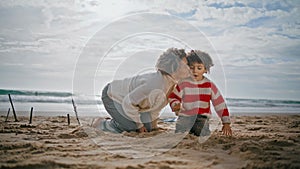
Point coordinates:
[(175, 97), (219, 104), (131, 102)]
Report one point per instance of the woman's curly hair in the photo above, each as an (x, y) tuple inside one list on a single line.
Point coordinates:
[(169, 61)]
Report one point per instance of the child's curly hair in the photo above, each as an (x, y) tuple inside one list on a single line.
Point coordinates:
[(197, 56)]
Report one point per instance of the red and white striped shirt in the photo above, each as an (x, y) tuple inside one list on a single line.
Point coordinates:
[(195, 97)]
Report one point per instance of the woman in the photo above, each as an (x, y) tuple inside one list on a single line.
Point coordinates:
[(134, 103)]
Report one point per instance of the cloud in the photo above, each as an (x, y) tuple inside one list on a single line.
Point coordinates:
[(224, 5), (261, 21), (185, 15), (43, 39), (20, 17)]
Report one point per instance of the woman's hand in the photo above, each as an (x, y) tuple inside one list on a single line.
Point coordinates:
[(226, 129), (142, 129)]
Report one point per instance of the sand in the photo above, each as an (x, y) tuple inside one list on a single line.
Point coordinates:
[(260, 141)]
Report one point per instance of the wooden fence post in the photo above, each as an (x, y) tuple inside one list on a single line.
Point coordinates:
[(13, 108), (30, 119), (75, 110), (7, 115), (68, 119)]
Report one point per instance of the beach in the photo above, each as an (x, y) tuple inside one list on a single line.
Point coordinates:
[(259, 141)]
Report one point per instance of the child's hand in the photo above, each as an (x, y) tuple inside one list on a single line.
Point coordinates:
[(176, 108), (226, 129)]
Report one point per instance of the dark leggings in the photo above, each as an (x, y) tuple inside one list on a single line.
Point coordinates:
[(197, 125)]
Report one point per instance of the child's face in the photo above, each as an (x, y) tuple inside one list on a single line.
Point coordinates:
[(198, 69)]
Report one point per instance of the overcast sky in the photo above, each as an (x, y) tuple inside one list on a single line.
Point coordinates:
[(45, 45)]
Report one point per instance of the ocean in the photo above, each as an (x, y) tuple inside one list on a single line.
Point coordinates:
[(47, 103)]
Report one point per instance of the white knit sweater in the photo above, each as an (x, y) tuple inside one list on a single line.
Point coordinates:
[(141, 93)]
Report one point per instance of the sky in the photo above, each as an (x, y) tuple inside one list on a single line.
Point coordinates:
[(81, 45)]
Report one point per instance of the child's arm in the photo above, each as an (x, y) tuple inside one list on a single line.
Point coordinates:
[(221, 109), (175, 100)]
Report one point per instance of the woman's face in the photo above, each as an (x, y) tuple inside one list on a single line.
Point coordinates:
[(183, 70)]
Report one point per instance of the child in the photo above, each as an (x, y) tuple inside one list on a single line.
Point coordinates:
[(191, 98)]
